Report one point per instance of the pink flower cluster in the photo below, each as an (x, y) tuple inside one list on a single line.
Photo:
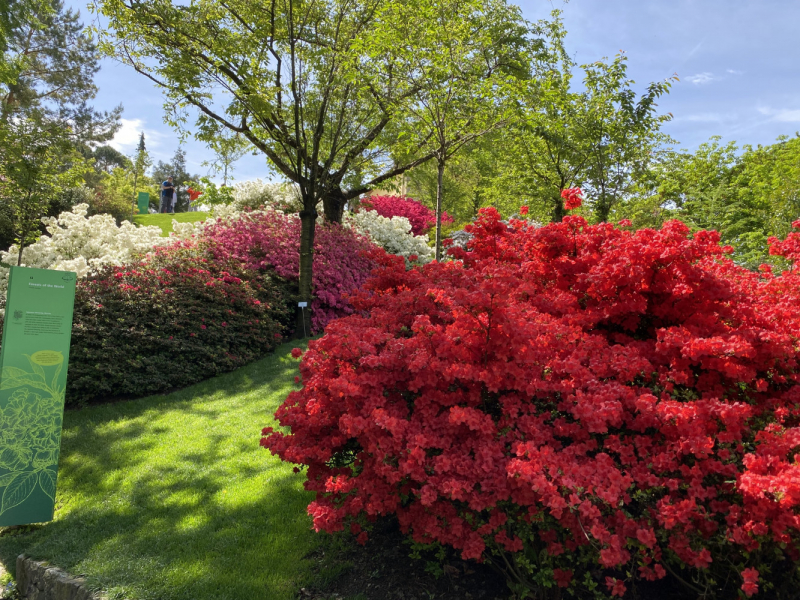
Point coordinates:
[(270, 241), (421, 217)]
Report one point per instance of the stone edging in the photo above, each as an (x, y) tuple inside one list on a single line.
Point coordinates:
[(37, 580)]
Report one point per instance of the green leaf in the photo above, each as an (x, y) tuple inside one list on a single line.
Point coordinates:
[(47, 481), (18, 490)]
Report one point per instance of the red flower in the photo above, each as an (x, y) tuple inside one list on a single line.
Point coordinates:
[(500, 397), (750, 585), (562, 577), (572, 198), (297, 353), (296, 379), (616, 586), (523, 210)]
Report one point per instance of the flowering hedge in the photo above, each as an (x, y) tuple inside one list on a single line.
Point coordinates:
[(269, 241), (420, 216), (81, 244), (392, 234), (169, 320), (583, 406)]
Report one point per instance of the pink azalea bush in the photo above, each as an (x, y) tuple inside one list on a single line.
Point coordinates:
[(421, 217), (270, 241)]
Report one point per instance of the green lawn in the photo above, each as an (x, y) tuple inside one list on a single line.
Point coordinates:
[(171, 497), (165, 221)]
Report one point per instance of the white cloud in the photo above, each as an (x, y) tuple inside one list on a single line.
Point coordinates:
[(709, 117), (783, 115), (701, 78), (127, 137), (734, 72)]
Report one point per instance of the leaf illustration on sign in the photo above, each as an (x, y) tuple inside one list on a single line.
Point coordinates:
[(54, 383), (13, 373), (47, 481), (36, 368), (36, 420), (18, 490)]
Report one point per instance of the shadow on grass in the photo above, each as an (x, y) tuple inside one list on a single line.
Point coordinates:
[(171, 497)]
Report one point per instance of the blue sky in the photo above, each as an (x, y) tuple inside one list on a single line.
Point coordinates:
[(738, 62)]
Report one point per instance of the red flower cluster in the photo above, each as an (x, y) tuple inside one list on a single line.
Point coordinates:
[(194, 194), (609, 401), (573, 198), (420, 216)]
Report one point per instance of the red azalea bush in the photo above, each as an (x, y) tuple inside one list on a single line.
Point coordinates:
[(269, 241), (169, 320), (420, 216), (582, 406)]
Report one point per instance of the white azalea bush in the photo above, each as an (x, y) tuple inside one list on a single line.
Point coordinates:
[(82, 244), (255, 193), (393, 235)]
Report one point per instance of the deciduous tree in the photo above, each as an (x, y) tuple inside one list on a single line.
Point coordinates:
[(318, 86)]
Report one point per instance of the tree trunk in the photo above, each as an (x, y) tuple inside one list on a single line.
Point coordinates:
[(333, 204), (439, 185), (603, 207), (558, 209), (135, 196), (22, 239), (308, 224)]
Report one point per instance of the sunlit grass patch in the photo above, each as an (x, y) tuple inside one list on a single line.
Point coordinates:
[(171, 497)]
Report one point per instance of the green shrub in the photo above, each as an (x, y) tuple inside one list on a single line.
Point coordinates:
[(167, 321)]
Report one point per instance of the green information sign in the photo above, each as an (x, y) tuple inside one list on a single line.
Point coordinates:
[(35, 353), (143, 202)]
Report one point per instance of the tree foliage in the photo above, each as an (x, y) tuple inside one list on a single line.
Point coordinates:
[(600, 136), (319, 87), (748, 194), (51, 63), (38, 161)]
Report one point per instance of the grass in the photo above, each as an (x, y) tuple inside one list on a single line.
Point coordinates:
[(165, 221), (171, 497)]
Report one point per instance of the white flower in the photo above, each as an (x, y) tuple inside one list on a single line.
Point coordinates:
[(254, 194), (393, 235), (82, 244)]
